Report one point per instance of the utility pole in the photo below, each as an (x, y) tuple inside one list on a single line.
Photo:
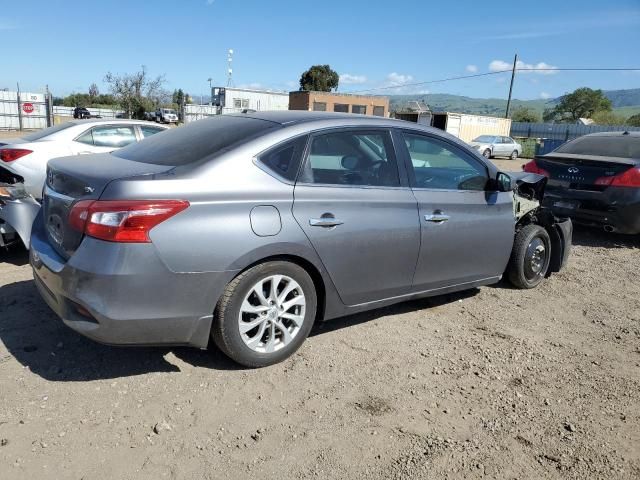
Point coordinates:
[(513, 75)]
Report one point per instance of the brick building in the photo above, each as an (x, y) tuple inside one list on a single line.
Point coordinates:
[(339, 102)]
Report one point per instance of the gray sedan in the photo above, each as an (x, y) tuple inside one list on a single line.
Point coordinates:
[(248, 228)]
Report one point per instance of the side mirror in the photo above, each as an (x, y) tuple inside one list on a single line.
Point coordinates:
[(503, 182)]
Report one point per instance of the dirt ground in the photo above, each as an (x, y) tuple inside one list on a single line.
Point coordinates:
[(489, 383)]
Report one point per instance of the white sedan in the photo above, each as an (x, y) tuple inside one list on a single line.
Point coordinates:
[(24, 160)]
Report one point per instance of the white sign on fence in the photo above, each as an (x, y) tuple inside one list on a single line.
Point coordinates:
[(26, 110)]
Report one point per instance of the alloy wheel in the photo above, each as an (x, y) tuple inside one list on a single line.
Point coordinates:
[(272, 313)]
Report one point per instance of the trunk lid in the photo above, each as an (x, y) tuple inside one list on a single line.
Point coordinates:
[(580, 172), (83, 177)]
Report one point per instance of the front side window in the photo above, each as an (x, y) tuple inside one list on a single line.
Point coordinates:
[(507, 140), (284, 160), (360, 109), (352, 158), (113, 136), (439, 165)]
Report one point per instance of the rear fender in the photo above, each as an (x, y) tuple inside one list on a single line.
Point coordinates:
[(20, 214)]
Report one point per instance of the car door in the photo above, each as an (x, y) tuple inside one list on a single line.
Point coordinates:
[(104, 138), (358, 215), (509, 145), (466, 232)]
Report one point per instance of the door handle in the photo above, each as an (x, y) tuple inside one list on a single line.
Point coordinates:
[(437, 218), (325, 222)]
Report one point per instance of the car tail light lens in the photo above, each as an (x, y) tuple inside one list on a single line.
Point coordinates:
[(126, 221), (532, 167), (628, 178), (10, 154)]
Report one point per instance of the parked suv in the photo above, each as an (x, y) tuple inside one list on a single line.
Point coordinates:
[(82, 113)]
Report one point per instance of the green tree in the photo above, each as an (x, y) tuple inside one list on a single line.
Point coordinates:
[(582, 103), (178, 97), (319, 78), (525, 114), (136, 92), (634, 120)]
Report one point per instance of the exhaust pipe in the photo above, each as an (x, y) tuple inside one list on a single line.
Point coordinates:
[(609, 228)]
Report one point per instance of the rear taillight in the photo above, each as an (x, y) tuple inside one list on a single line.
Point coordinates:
[(532, 167), (628, 178), (10, 154), (127, 221)]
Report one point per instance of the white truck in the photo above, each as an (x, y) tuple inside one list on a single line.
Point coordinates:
[(166, 115)]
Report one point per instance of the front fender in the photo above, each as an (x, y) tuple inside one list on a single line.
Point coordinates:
[(20, 214)]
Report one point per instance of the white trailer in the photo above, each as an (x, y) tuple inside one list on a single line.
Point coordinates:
[(234, 100)]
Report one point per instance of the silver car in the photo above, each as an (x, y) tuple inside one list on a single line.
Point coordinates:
[(248, 228), (497, 146)]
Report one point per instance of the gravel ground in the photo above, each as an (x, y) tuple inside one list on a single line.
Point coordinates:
[(489, 383)]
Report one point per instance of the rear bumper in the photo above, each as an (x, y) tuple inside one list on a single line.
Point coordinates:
[(123, 294), (615, 207)]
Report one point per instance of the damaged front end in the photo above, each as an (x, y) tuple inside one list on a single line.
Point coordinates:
[(18, 209), (528, 193)]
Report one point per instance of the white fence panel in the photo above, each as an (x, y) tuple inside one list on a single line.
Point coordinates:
[(198, 112), (63, 111), (26, 108)]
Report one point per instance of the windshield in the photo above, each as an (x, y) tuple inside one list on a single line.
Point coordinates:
[(622, 146), (32, 137), (195, 141), (168, 110), (485, 139)]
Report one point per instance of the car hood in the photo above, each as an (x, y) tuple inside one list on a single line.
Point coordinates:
[(478, 144)]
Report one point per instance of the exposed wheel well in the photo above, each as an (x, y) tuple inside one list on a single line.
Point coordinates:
[(310, 268)]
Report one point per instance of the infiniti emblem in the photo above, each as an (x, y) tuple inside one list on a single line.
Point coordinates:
[(573, 170), (50, 177)]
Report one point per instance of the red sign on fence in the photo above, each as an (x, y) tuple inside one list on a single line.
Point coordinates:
[(27, 107)]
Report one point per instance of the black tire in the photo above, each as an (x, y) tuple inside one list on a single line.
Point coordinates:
[(225, 330), (514, 155), (486, 153), (524, 271)]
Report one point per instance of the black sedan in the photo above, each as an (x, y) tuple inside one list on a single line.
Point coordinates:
[(595, 180)]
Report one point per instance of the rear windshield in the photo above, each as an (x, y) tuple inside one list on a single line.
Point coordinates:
[(621, 146), (193, 142), (32, 137)]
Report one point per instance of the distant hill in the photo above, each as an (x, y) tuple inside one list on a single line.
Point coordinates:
[(625, 102)]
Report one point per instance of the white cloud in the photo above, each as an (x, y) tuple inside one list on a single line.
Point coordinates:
[(210, 2), (545, 95), (471, 68), (348, 79), (397, 79), (541, 68)]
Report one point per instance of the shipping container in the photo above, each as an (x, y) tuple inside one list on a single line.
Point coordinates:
[(467, 127)]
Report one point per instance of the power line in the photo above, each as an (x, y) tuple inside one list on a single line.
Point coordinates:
[(497, 72)]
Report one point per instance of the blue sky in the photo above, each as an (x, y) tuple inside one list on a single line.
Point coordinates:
[(372, 44)]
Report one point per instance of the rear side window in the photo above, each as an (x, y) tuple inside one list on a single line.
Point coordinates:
[(284, 160), (193, 142), (622, 146), (148, 131)]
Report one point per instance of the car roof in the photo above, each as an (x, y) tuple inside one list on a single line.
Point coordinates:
[(294, 117), (619, 133)]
